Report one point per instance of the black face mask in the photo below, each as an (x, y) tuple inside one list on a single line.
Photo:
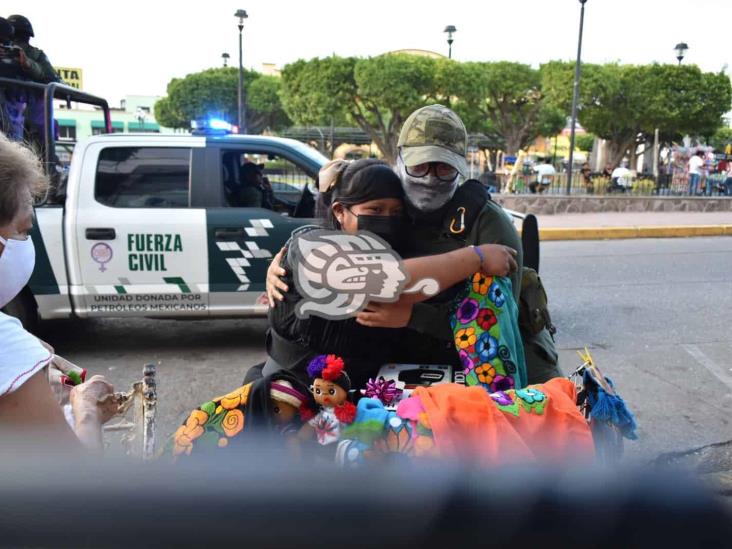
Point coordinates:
[(391, 228)]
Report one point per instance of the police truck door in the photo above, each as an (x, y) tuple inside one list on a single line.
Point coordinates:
[(243, 237), (141, 249)]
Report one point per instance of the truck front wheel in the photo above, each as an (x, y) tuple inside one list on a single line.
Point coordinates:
[(24, 308)]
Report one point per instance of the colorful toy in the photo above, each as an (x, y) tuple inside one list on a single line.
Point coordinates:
[(330, 386)]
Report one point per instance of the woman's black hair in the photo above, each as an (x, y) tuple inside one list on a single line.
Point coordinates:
[(363, 180)]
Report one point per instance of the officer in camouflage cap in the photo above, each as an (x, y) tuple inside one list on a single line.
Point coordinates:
[(432, 136), (34, 62), (449, 212)]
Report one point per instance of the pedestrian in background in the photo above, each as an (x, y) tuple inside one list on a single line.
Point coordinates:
[(696, 167), (728, 180), (545, 174), (709, 173), (586, 173)]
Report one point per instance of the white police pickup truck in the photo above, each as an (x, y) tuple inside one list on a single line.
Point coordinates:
[(147, 227)]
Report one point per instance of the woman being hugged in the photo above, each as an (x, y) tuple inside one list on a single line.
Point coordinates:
[(365, 195)]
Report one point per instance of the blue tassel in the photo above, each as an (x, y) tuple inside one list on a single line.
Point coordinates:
[(611, 409)]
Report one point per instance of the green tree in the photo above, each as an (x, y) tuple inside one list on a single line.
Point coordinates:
[(214, 92), (610, 104), (264, 106), (687, 101), (317, 91), (377, 94), (502, 97), (624, 104), (721, 139), (584, 142)]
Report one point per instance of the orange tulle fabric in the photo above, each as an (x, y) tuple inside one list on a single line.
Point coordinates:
[(468, 424)]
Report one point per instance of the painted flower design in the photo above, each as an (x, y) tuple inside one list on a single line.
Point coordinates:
[(466, 361), (502, 383), (481, 283), (188, 432), (502, 398), (487, 347), (486, 373), (235, 398), (487, 319), (468, 310), (233, 423), (495, 294), (531, 396), (465, 338)]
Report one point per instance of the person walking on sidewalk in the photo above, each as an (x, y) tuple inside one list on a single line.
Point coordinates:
[(696, 165), (728, 180)]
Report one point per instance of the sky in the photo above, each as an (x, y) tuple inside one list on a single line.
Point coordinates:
[(136, 47)]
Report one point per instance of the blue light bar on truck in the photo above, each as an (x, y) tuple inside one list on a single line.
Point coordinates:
[(211, 126)]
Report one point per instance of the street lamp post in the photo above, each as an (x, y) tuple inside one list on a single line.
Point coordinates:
[(575, 98), (681, 48), (225, 56), (241, 15), (450, 29)]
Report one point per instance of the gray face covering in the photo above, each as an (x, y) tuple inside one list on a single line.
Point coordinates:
[(426, 194)]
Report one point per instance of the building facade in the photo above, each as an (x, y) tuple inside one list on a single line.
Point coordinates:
[(135, 114)]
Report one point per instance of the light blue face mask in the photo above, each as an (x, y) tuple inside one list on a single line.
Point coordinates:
[(16, 267)]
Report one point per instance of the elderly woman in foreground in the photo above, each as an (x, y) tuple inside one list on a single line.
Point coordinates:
[(28, 406)]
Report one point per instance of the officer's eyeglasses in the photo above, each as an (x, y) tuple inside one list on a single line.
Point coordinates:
[(443, 171)]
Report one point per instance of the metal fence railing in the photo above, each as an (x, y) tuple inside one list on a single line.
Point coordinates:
[(642, 185)]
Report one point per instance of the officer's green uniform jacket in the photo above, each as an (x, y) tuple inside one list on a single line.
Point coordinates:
[(40, 68), (432, 235)]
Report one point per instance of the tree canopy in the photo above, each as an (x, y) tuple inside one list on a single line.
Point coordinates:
[(504, 103), (721, 139), (625, 104), (214, 92), (505, 98), (377, 94), (495, 99)]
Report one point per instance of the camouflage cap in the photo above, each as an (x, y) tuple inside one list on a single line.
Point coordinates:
[(434, 134)]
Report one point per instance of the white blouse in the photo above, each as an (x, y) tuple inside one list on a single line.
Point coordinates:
[(21, 354)]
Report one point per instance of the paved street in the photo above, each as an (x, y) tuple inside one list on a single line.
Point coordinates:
[(655, 313), (627, 219)]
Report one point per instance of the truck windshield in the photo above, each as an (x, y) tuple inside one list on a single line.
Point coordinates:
[(309, 152)]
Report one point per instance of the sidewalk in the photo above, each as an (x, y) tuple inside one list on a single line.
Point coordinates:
[(604, 225)]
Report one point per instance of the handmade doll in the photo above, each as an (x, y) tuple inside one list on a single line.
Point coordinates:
[(330, 386), (271, 405), (286, 402)]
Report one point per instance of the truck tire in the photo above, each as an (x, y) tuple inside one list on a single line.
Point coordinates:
[(24, 308)]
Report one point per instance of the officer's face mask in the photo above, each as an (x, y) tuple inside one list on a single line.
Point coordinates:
[(389, 227), (429, 192), (16, 267)]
